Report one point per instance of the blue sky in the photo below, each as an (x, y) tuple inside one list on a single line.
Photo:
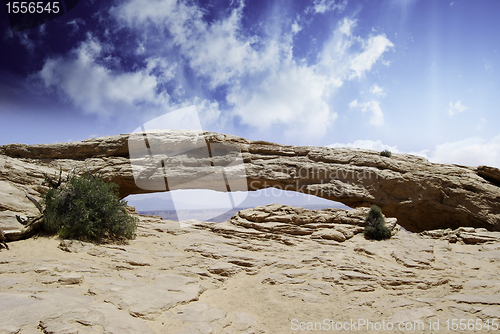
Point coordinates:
[(411, 76)]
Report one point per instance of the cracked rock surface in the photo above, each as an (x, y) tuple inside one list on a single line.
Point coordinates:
[(420, 194), (255, 273)]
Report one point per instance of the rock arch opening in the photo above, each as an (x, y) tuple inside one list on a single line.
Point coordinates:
[(420, 194), (205, 205)]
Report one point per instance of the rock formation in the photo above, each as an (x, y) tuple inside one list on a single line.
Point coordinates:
[(267, 270), (420, 194)]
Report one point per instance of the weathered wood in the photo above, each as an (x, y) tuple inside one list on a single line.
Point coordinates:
[(35, 202), (51, 180), (31, 227), (2, 240)]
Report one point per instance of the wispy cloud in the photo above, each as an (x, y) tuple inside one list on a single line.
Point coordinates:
[(458, 107), (377, 90), (217, 51), (297, 94), (296, 27), (264, 84), (373, 50), (377, 117), (94, 88), (75, 24), (256, 78), (26, 41), (323, 6), (475, 151), (480, 124), (340, 56), (487, 65)]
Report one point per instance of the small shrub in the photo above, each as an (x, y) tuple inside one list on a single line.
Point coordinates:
[(386, 153), (375, 225), (87, 208)]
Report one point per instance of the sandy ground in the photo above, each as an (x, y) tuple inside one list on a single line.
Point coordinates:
[(177, 280)]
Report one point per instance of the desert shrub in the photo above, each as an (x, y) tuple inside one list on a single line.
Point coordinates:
[(386, 153), (87, 208), (375, 225)]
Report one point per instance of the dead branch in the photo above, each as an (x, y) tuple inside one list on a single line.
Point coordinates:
[(35, 202), (31, 227), (51, 180), (2, 240), (72, 172), (21, 221)]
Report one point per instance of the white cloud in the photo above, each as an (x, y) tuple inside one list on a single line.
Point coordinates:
[(95, 88), (456, 108), (141, 49), (374, 145), (220, 52), (25, 41), (296, 95), (470, 152), (263, 84), (377, 117), (217, 51), (296, 27), (336, 55), (30, 39), (293, 95), (473, 151), (339, 58), (209, 114), (373, 50), (377, 90), (323, 6), (76, 23), (346, 26)]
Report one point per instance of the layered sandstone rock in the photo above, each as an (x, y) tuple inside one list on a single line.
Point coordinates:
[(249, 276), (281, 221), (420, 194)]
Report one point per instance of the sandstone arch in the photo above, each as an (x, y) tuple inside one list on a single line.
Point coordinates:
[(421, 194)]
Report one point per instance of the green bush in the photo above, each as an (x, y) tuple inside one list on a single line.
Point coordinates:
[(386, 153), (375, 225), (87, 208)]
